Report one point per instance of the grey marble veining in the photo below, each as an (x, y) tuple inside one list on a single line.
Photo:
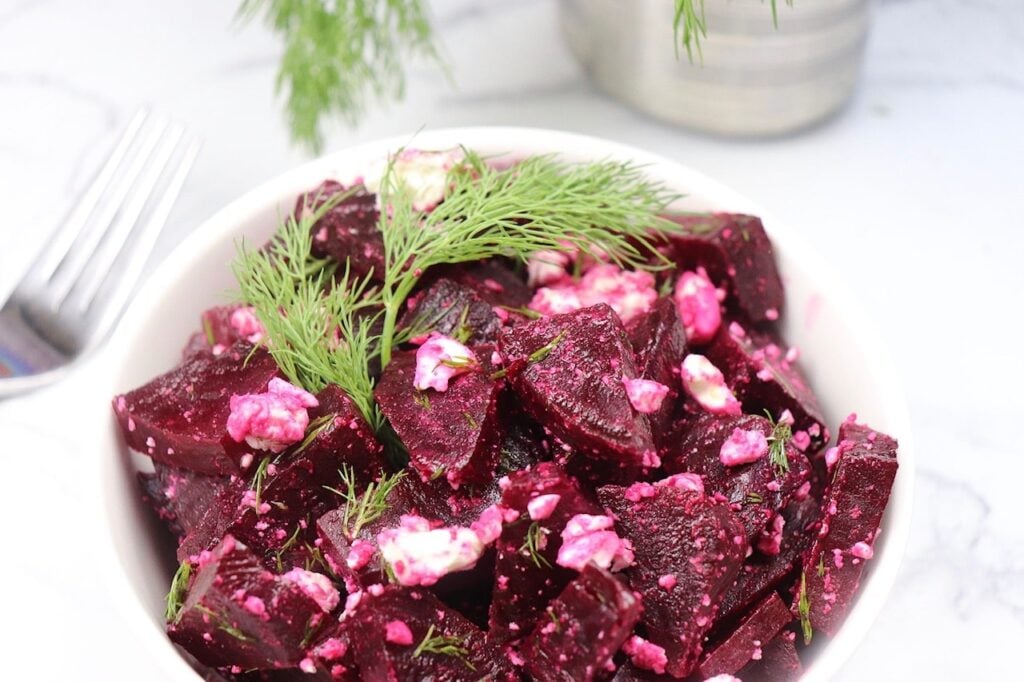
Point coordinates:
[(915, 193)]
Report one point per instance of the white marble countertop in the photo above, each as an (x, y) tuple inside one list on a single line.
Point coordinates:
[(915, 193)]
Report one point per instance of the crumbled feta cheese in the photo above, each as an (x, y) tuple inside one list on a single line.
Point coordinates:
[(316, 586), (272, 420), (542, 506), (555, 300), (545, 267), (685, 481), (440, 359), (331, 649), (699, 310), (488, 525), (307, 666), (244, 321), (424, 174), (724, 677), (421, 555), (359, 554), (646, 655), (742, 447), (862, 550), (706, 384), (667, 582), (397, 632), (588, 538), (629, 293), (769, 542), (645, 395)]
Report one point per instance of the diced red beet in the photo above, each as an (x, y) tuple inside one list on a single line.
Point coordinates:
[(582, 629), (736, 252), (755, 491), (525, 582), (347, 232), (756, 368), (453, 310), (179, 496), (525, 442), (180, 418), (293, 493), (331, 657), (660, 346), (411, 613), (493, 281), (688, 550), (760, 573), (851, 514), (779, 662), (454, 433), (748, 640), (576, 389), (238, 613)]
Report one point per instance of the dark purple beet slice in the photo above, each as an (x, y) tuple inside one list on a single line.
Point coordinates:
[(761, 573), (736, 252), (179, 496), (576, 389), (348, 231), (755, 491), (756, 367), (779, 662), (330, 658), (493, 281), (454, 433), (851, 513), (748, 640), (180, 417), (525, 583), (582, 629), (237, 613), (294, 491), (660, 346), (453, 310), (688, 550), (383, 657)]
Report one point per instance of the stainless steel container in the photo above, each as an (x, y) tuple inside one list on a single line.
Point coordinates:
[(754, 79)]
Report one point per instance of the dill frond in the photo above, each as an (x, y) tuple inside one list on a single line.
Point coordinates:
[(176, 595), (444, 645), (779, 438), (368, 507), (531, 545)]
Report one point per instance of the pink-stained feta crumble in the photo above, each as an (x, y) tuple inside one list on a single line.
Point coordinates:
[(862, 550), (397, 632), (423, 173), (724, 677), (645, 395), (667, 582), (489, 524), (307, 666), (629, 293), (646, 655), (331, 649), (255, 606), (439, 360), (699, 309), (359, 554), (244, 321), (421, 555), (639, 491), (769, 541), (706, 384), (588, 538), (742, 447), (272, 420), (686, 481), (546, 267), (542, 506), (316, 586), (555, 300)]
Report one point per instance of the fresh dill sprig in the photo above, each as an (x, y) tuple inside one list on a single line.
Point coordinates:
[(176, 595), (224, 625), (779, 438), (318, 332), (368, 507), (315, 428), (803, 606), (689, 26), (444, 645), (821, 566), (259, 477), (531, 546), (754, 498), (341, 56), (288, 544), (606, 208)]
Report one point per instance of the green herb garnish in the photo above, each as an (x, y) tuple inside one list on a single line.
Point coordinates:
[(368, 507), (444, 645), (535, 536), (804, 607), (779, 438), (176, 595), (754, 498), (821, 566), (315, 428), (689, 26), (259, 477)]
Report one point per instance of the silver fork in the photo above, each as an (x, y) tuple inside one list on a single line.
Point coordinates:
[(76, 289)]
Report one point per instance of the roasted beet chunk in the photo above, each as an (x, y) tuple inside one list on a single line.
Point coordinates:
[(569, 371), (779, 662), (453, 310), (348, 231), (756, 490), (180, 418), (329, 659), (582, 629), (737, 253), (764, 375), (179, 496), (748, 640), (527, 575), (237, 613), (407, 634), (454, 433), (851, 513), (688, 550), (660, 345)]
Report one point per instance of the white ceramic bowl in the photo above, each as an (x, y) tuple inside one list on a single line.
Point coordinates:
[(841, 352)]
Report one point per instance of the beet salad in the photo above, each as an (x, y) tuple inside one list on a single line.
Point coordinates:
[(470, 422)]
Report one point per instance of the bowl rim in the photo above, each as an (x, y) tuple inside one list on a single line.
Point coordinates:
[(518, 140)]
